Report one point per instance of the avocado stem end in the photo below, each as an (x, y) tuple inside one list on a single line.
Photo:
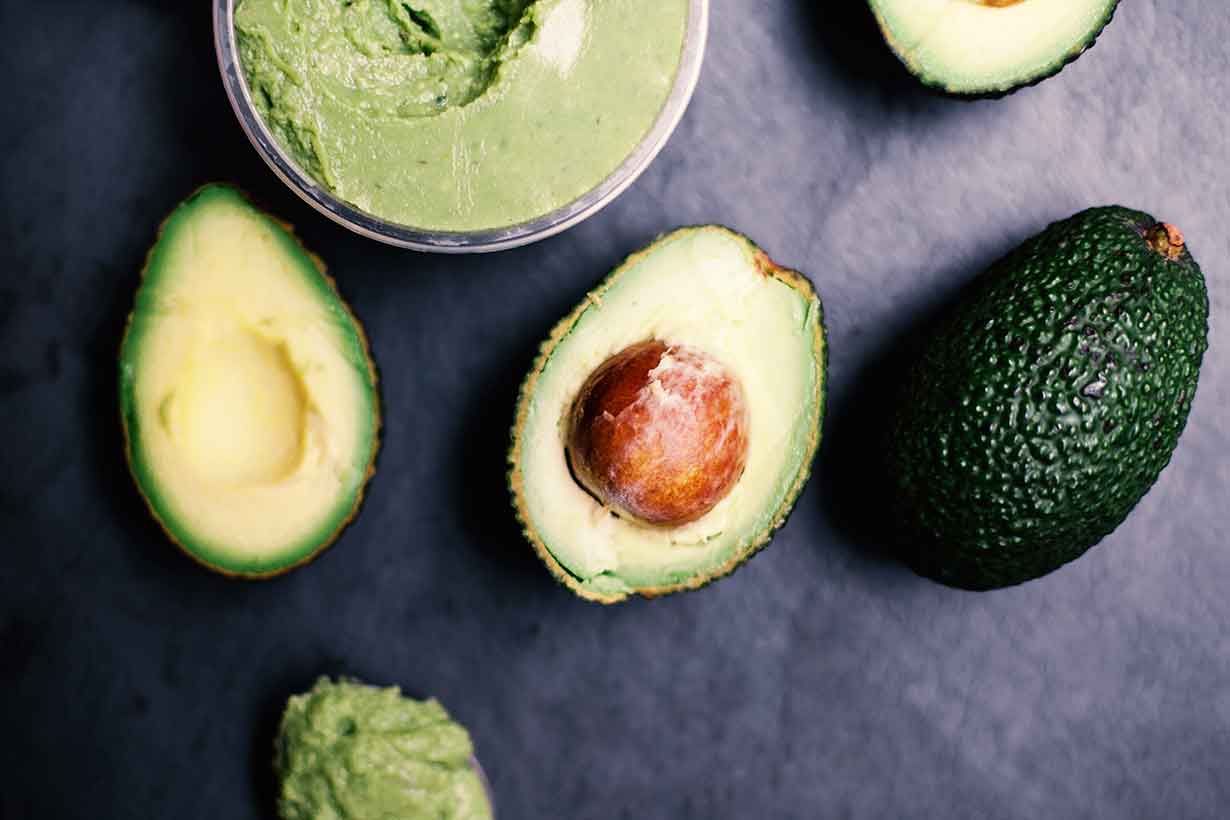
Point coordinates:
[(1166, 239)]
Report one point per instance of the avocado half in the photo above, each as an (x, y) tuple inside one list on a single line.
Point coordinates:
[(989, 47), (247, 392), (712, 289)]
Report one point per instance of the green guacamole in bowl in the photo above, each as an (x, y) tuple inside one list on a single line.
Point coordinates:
[(460, 115)]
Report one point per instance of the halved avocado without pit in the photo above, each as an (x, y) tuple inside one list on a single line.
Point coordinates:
[(989, 47), (247, 394), (669, 423)]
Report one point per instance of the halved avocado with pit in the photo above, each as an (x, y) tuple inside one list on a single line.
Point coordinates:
[(989, 47), (707, 307), (247, 393)]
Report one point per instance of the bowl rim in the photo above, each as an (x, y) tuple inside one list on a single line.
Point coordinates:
[(478, 241)]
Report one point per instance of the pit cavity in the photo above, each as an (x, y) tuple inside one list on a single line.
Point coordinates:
[(239, 417)]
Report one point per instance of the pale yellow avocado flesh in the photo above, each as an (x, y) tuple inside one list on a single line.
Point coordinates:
[(246, 389), (977, 47), (713, 290)]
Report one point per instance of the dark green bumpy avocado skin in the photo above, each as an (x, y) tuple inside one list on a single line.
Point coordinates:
[(1048, 401)]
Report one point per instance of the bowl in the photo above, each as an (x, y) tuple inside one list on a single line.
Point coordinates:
[(478, 241)]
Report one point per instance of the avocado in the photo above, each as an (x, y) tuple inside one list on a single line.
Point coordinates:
[(247, 394), (1048, 400), (696, 360), (989, 47)]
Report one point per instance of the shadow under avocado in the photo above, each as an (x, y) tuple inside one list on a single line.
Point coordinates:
[(482, 501), (850, 41), (857, 494)]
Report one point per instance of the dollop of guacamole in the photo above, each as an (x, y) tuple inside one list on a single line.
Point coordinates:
[(348, 751), (460, 114)]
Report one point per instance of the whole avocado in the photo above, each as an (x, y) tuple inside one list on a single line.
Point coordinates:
[(1048, 400)]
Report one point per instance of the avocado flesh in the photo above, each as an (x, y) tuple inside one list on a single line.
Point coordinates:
[(714, 290), (979, 48), (247, 395), (1048, 401)]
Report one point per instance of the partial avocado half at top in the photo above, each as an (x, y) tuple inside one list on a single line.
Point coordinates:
[(670, 421), (247, 393), (984, 48)]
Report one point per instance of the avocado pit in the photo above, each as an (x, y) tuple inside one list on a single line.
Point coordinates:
[(659, 433)]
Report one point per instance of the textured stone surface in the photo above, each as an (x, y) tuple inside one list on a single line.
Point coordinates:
[(819, 681)]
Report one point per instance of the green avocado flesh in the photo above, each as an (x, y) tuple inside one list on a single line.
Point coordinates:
[(460, 115), (990, 47), (1049, 400), (712, 290), (247, 395), (347, 751)]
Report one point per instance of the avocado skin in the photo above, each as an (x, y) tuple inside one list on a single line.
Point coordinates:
[(1047, 402), (941, 89)]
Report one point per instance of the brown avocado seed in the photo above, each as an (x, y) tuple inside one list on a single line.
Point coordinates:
[(659, 433)]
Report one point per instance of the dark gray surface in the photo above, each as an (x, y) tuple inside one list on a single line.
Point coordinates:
[(820, 680)]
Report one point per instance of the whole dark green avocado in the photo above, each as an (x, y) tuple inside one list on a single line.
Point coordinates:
[(1048, 400)]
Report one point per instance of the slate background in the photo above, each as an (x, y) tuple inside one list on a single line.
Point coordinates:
[(819, 681)]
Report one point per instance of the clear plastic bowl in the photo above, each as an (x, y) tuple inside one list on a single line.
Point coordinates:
[(480, 241)]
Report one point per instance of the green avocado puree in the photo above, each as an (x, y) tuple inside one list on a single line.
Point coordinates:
[(347, 751), (460, 114)]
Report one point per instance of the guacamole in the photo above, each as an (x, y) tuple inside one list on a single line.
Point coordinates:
[(347, 751), (460, 114)]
